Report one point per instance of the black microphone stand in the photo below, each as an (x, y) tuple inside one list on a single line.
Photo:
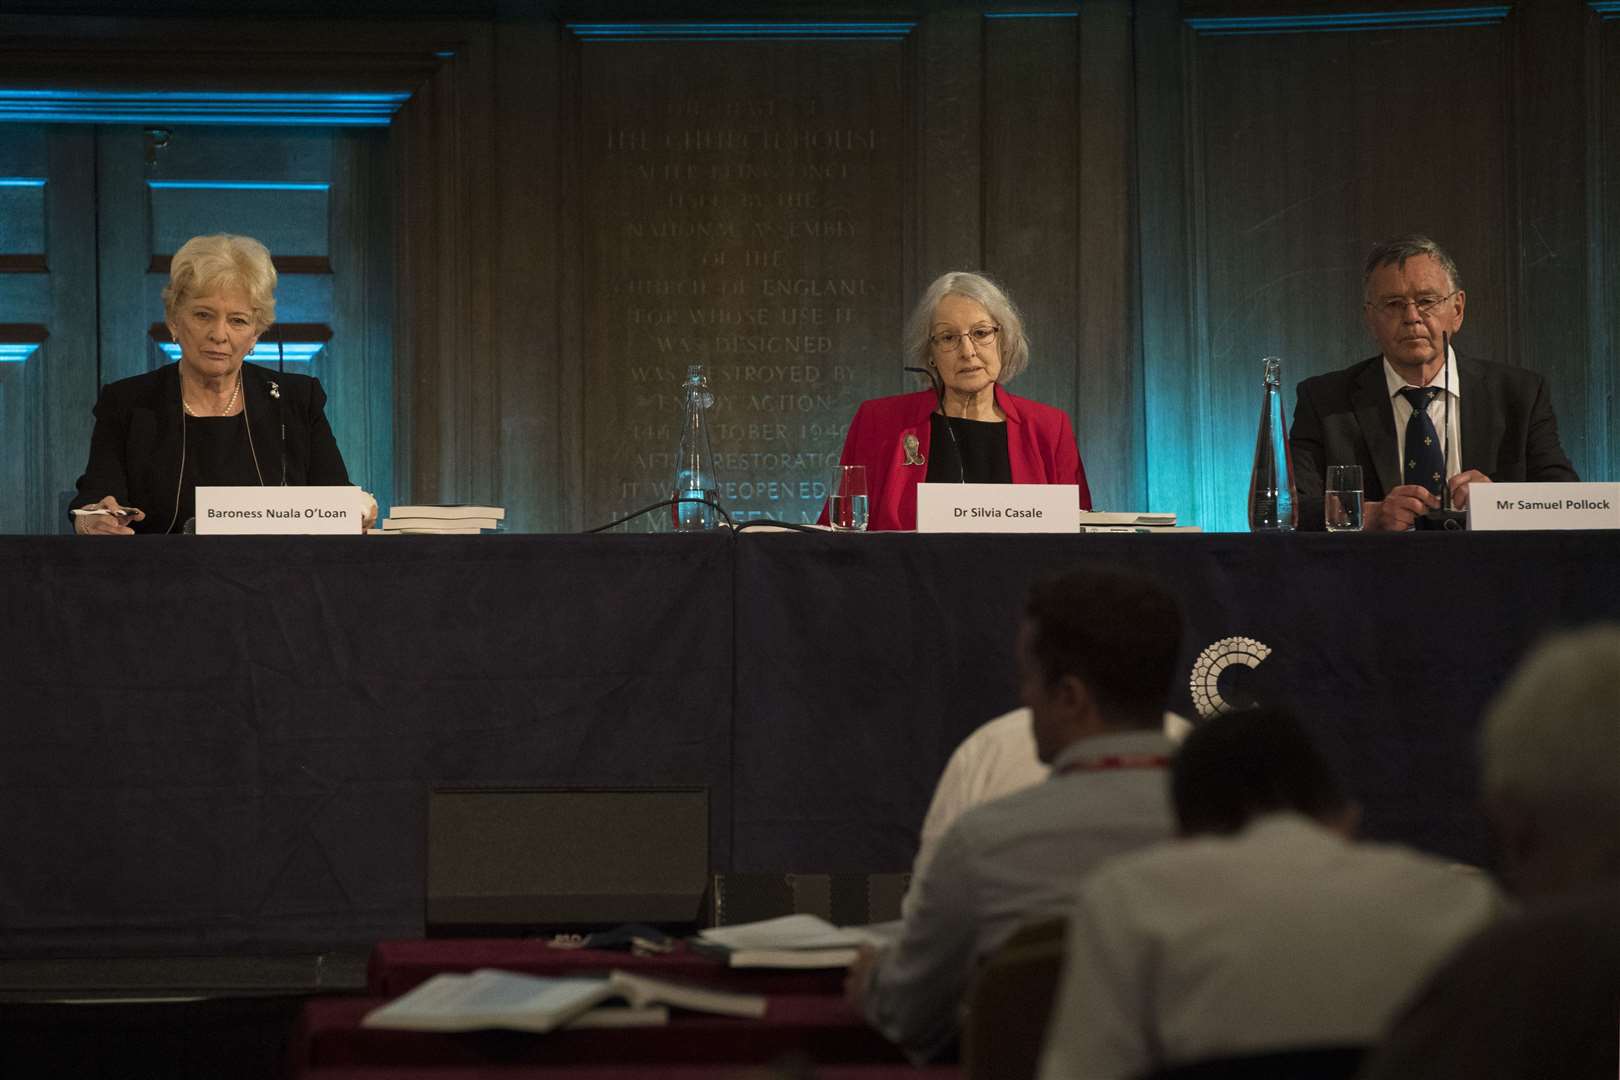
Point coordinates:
[(1445, 519)]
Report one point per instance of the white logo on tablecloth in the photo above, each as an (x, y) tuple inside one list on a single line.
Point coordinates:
[(1207, 669)]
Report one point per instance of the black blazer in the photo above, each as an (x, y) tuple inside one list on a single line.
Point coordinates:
[(1345, 418), (136, 446)]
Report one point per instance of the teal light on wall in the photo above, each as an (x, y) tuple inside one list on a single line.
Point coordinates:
[(267, 353), (194, 107), (734, 31), (17, 352)]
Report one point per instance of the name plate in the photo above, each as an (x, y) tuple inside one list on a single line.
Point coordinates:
[(1543, 506), (1010, 508), (241, 511)]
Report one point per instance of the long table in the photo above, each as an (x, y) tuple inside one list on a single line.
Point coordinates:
[(222, 743)]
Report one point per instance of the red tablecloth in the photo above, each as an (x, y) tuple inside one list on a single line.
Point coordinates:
[(398, 966), (820, 1027)]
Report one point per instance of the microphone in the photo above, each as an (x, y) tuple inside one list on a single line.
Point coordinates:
[(939, 396), (1445, 519)]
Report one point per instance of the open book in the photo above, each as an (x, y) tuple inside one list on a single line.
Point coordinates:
[(792, 941), (488, 998)]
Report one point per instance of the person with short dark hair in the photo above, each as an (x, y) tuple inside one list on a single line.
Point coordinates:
[(1096, 656), (1263, 929), (1418, 418)]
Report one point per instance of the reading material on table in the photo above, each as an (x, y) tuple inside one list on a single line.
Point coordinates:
[(488, 998), (791, 941)]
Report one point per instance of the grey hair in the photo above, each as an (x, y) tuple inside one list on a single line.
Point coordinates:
[(1395, 253), (1013, 344), (206, 264), (1552, 735)]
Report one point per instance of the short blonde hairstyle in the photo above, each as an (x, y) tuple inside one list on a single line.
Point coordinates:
[(1013, 344), (206, 264)]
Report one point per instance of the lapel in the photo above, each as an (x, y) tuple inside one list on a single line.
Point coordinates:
[(1370, 397), (1482, 419), (264, 417), (167, 448), (1017, 460), (918, 426)]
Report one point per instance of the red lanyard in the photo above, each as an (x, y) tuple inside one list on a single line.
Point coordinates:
[(1117, 761)]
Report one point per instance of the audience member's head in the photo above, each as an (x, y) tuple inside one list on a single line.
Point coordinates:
[(1551, 751), (1233, 768), (1096, 652)]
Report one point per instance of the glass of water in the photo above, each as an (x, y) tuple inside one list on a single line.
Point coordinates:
[(847, 501), (1341, 503)]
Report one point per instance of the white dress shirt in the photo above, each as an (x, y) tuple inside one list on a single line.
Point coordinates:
[(1284, 936), (1003, 864)]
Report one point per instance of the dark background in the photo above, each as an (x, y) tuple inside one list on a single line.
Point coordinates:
[(1171, 190)]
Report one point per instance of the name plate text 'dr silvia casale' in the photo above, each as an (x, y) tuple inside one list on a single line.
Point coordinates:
[(1543, 506), (1021, 508), (240, 511)]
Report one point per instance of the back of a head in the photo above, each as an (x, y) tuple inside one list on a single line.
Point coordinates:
[(1235, 767), (1117, 631), (1551, 755)]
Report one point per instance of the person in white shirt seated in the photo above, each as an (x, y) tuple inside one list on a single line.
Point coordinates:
[(997, 759), (1096, 691), (1263, 928)]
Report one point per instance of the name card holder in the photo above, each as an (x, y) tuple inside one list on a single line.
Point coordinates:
[(1001, 508), (286, 511), (1543, 506)]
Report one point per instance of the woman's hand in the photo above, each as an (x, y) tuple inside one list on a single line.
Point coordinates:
[(114, 523)]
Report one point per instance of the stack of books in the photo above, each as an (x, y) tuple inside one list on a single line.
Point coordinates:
[(452, 519), (791, 941), (1131, 522), (489, 998)]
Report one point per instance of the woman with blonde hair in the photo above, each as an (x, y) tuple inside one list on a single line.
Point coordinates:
[(209, 418)]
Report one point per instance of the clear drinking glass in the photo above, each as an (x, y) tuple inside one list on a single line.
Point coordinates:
[(1341, 502), (847, 501)]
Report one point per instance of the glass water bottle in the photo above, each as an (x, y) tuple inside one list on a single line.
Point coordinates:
[(1271, 481)]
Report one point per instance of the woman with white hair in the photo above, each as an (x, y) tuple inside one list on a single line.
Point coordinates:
[(966, 335), (210, 418)]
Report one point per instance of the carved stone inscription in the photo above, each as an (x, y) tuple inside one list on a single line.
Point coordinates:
[(743, 212)]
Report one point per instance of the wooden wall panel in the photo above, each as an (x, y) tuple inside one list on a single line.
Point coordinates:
[(742, 204), (1602, 397), (1032, 129)]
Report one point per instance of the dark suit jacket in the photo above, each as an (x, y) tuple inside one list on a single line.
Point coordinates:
[(135, 450), (1040, 449), (1345, 418)]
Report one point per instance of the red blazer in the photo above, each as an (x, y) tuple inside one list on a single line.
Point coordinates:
[(1040, 448)]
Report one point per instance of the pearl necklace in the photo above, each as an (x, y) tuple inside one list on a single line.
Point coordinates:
[(229, 405)]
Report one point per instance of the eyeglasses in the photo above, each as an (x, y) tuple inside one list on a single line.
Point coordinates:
[(1394, 307), (950, 340)]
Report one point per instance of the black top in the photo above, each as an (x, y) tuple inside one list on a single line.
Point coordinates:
[(968, 452), (141, 436), (217, 455)]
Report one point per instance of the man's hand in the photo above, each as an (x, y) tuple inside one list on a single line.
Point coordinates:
[(1400, 509), (860, 973), (1459, 486)]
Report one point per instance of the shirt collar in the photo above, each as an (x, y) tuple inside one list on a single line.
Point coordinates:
[(1397, 382), (1112, 744)]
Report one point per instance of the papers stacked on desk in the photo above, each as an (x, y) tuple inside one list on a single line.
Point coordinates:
[(792, 941), (452, 519), (1131, 522), (489, 998)]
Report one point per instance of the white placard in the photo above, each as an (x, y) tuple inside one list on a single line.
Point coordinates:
[(240, 511), (1543, 506), (1012, 508)]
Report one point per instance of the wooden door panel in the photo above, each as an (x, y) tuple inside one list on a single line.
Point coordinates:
[(47, 321)]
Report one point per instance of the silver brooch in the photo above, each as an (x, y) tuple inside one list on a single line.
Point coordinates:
[(275, 391), (913, 450)]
